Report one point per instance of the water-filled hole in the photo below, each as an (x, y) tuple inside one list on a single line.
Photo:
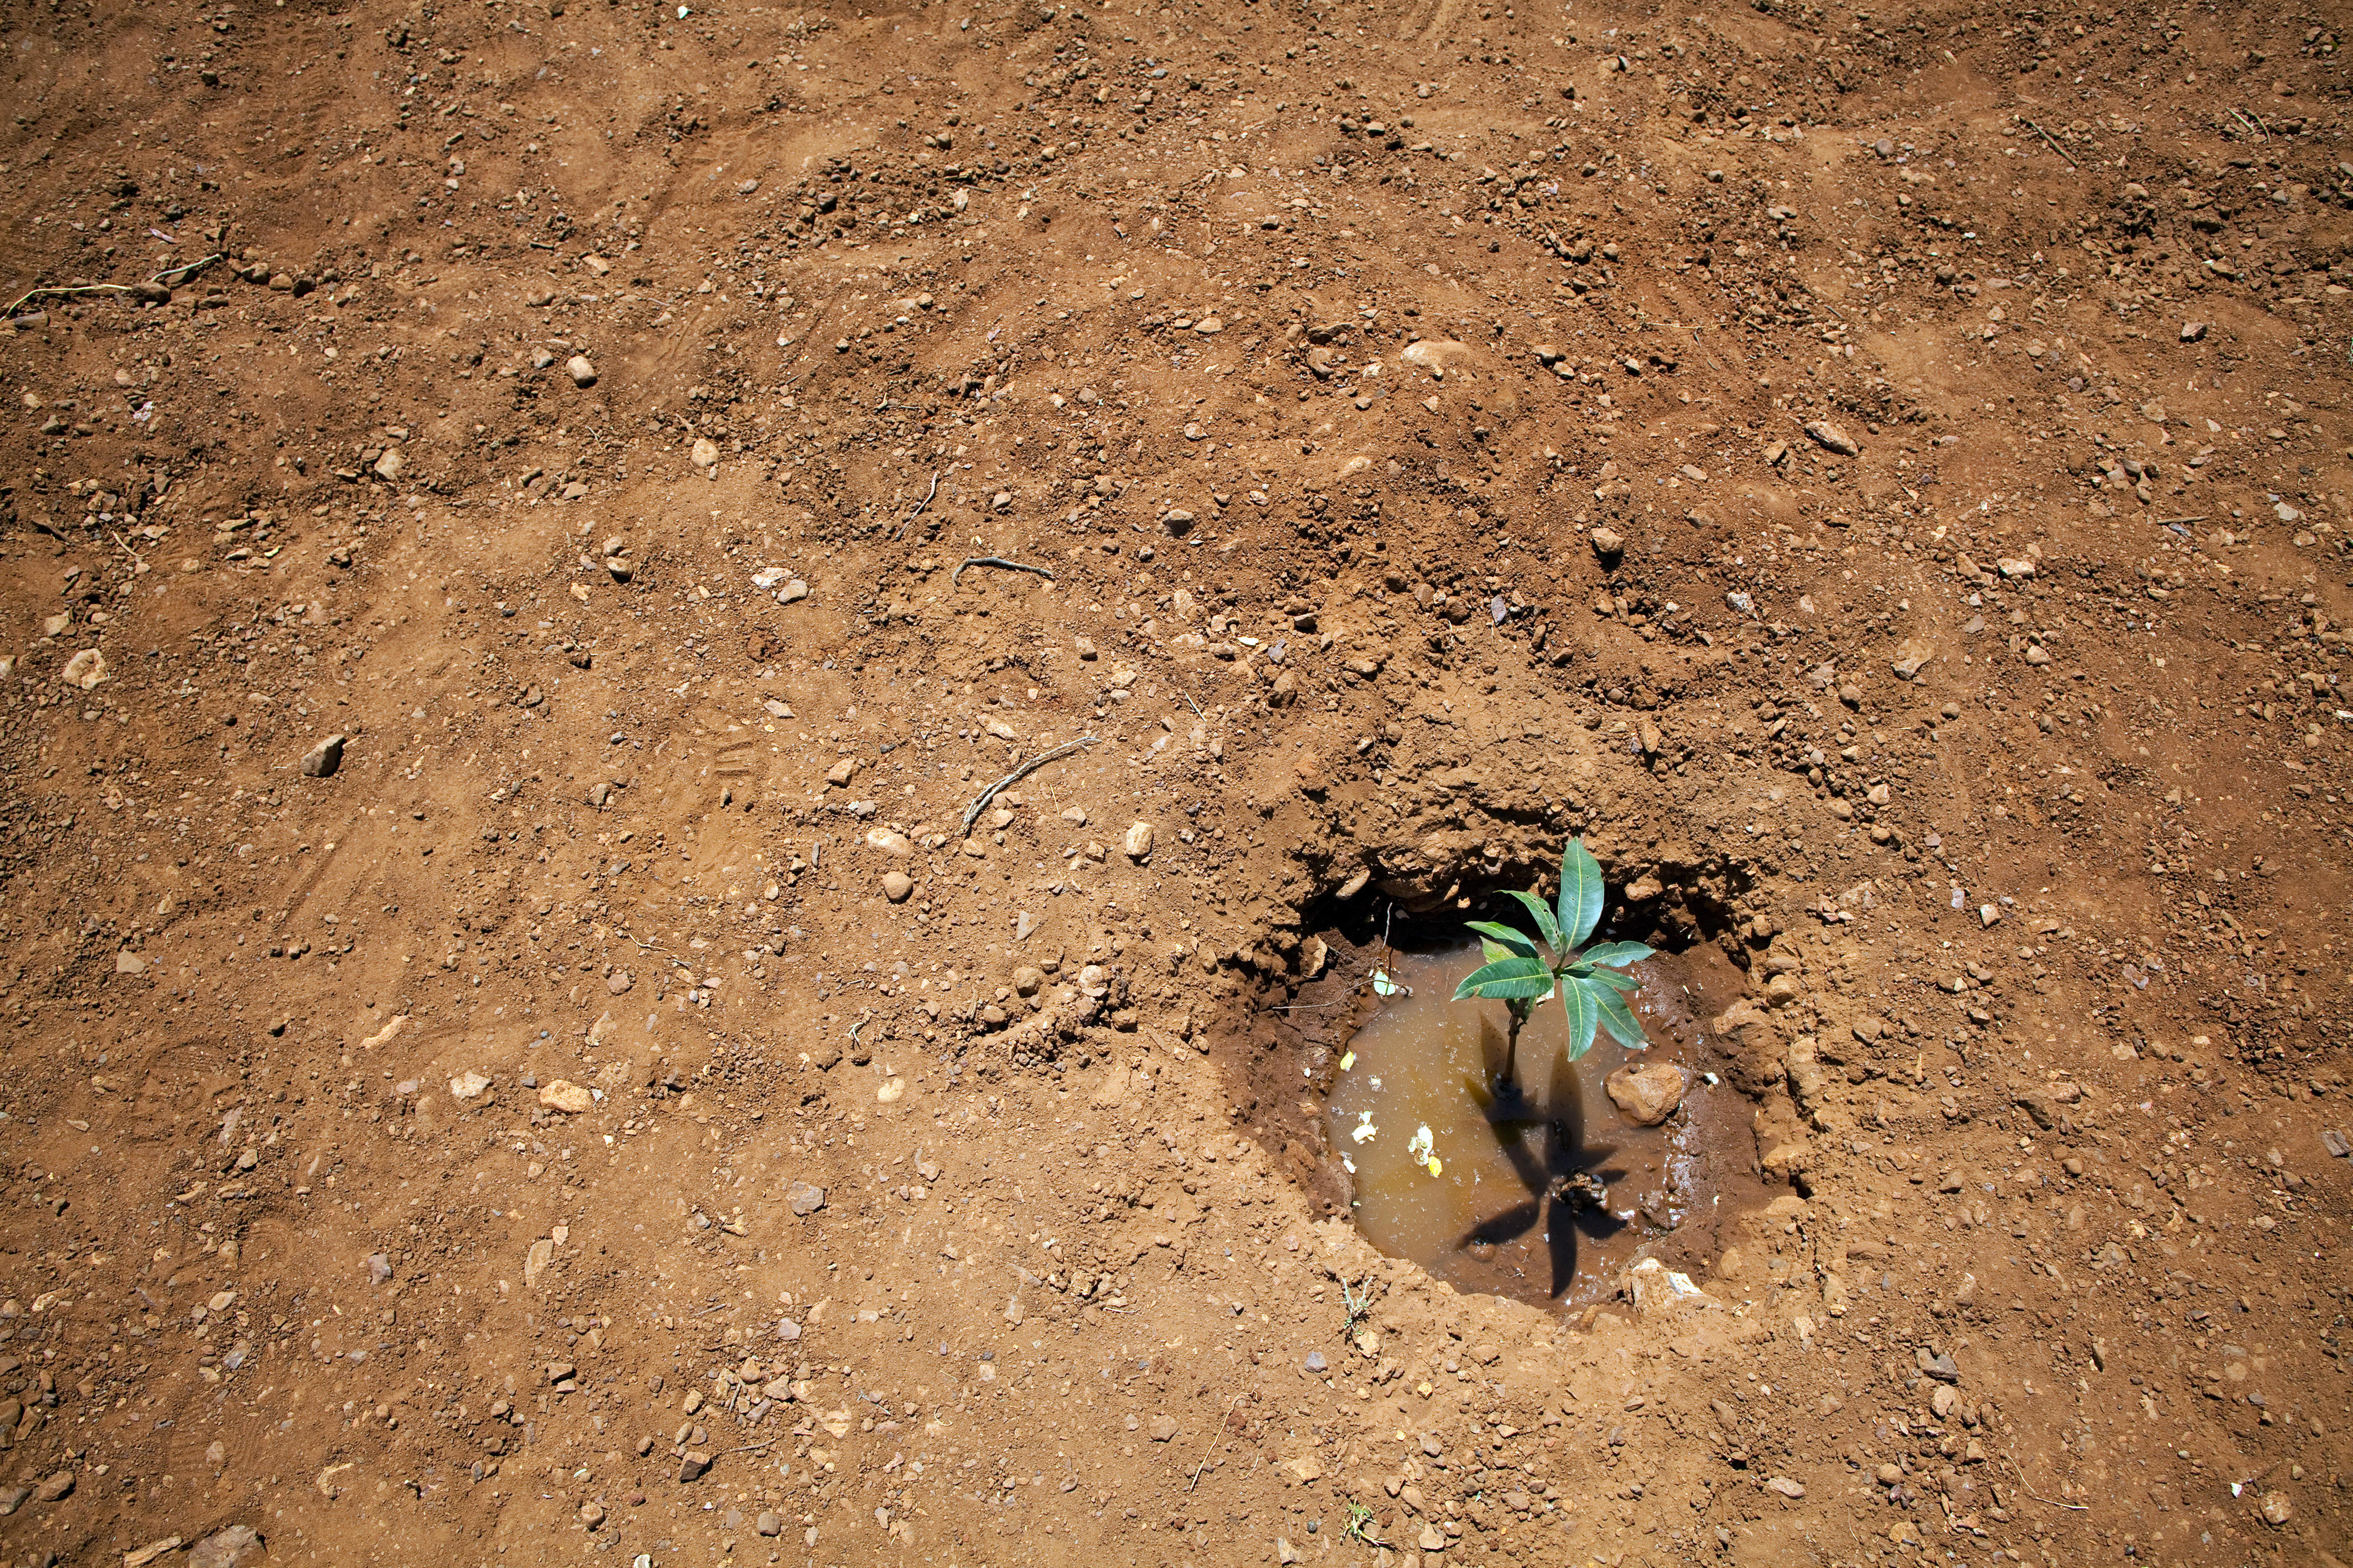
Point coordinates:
[(1548, 1193)]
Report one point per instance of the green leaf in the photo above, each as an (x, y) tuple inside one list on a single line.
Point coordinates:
[(1508, 979), (1580, 892), (1503, 936), (1546, 926), (1616, 953), (1582, 1016), (1619, 979), (1619, 1018)]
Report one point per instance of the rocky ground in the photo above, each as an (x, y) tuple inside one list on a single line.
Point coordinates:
[(534, 529)]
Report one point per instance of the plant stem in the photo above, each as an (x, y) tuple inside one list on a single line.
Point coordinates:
[(1512, 1048)]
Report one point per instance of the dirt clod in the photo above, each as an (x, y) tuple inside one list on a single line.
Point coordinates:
[(572, 1099), (1647, 1095), (234, 1547), (1832, 437)]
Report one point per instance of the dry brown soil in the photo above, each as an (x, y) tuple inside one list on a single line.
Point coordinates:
[(1879, 476)]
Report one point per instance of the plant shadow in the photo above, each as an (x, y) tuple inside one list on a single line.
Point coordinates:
[(1544, 1141)]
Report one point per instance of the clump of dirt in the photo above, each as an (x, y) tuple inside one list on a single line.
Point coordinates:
[(685, 689)]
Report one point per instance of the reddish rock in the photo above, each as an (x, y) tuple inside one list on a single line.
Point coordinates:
[(1648, 1095)]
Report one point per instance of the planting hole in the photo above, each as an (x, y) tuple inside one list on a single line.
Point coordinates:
[(1546, 1195)]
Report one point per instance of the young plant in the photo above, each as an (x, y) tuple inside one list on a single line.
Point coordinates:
[(1523, 972)]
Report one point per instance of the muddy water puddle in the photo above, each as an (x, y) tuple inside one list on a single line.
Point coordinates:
[(1544, 1195)]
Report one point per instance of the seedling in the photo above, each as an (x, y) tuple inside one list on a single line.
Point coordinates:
[(1524, 972), (1360, 1525)]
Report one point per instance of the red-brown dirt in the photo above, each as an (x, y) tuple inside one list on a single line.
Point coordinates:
[(1879, 478)]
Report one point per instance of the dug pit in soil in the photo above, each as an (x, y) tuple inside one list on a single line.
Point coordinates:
[(1545, 1196)]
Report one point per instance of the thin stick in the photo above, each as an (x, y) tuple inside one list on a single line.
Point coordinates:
[(2071, 1507), (2048, 142), (2170, 521), (919, 506), (998, 561), (183, 271), (973, 811), (70, 291), (1212, 1448), (752, 1448)]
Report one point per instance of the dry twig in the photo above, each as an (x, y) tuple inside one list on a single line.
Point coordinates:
[(2071, 1507), (972, 812), (1212, 1448), (2048, 142), (68, 291), (919, 507), (996, 560)]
